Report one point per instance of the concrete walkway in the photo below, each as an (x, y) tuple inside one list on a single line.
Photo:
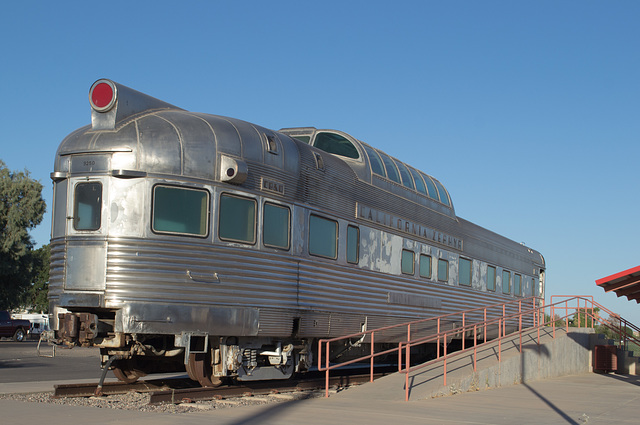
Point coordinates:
[(521, 389), (578, 399)]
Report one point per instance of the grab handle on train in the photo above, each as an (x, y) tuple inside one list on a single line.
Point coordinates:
[(203, 277)]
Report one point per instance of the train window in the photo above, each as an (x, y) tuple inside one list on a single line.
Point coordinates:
[(303, 139), (237, 219), (353, 244), (425, 266), (464, 272), (506, 282), (408, 262), (443, 270), (272, 145), (180, 210), (444, 198), (420, 187), (433, 192), (374, 159), (517, 285), (336, 144), (491, 278), (407, 181), (87, 206), (390, 166), (323, 237), (275, 226)]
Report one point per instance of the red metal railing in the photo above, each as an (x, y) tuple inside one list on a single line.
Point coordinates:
[(518, 316), (476, 315)]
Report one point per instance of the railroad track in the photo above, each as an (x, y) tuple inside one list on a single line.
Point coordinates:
[(177, 390)]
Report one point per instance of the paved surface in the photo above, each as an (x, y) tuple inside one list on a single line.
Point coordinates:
[(19, 362), (579, 399)]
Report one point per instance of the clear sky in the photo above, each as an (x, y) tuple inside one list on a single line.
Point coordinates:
[(527, 111)]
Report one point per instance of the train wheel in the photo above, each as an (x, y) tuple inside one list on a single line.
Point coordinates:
[(126, 371), (199, 369)]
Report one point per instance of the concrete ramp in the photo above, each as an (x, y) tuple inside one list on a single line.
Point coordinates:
[(566, 354)]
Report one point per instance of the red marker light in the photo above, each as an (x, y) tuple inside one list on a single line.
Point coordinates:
[(102, 95)]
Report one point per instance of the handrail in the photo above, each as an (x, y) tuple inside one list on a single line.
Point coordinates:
[(533, 316), (437, 321)]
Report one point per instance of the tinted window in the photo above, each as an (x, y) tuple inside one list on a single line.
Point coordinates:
[(425, 266), (491, 278), (407, 181), (464, 272), (420, 187), (180, 210), (323, 237), (506, 282), (433, 192), (303, 139), (443, 270), (444, 198), (390, 166), (87, 209), (237, 219), (408, 262), (353, 244), (336, 144), (275, 230), (517, 285), (375, 161)]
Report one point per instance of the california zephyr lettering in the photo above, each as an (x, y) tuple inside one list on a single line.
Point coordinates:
[(408, 227)]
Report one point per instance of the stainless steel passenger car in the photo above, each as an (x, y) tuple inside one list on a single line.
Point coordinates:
[(188, 239)]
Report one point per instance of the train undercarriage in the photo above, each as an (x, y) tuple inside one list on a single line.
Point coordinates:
[(209, 360)]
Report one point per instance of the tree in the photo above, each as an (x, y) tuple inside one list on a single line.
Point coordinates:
[(21, 209), (36, 296)]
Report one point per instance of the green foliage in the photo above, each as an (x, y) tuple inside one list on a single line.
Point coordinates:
[(36, 296), (584, 317), (21, 209)]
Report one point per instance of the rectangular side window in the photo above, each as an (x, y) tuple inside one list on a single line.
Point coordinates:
[(491, 278), (464, 272), (425, 266), (408, 262), (276, 225), (180, 210), (517, 285), (353, 244), (443, 270), (237, 219), (87, 206), (323, 237), (506, 282)]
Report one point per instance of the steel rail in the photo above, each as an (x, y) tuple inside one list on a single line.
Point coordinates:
[(255, 388)]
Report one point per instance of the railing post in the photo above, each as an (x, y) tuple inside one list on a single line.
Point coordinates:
[(500, 325), (475, 346), (485, 325), (327, 372), (504, 314), (438, 345), (372, 352), (566, 314), (463, 328), (445, 359), (406, 375)]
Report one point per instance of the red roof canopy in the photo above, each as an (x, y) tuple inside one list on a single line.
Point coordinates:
[(625, 283)]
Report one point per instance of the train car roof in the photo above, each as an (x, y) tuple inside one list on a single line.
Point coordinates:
[(144, 133)]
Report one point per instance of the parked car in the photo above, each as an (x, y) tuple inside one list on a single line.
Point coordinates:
[(10, 328)]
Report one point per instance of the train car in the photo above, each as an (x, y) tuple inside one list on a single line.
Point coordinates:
[(185, 240)]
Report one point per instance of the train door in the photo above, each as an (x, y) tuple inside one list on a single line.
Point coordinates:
[(86, 230)]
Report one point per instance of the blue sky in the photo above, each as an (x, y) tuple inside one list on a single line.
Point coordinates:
[(527, 111)]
